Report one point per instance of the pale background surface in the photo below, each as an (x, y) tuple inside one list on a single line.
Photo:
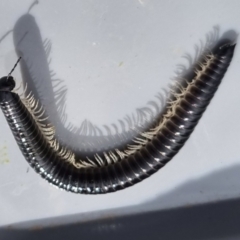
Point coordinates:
[(114, 57)]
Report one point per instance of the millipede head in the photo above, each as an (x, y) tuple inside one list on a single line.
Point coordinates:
[(7, 83)]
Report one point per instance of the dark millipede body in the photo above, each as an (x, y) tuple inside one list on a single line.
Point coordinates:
[(153, 149)]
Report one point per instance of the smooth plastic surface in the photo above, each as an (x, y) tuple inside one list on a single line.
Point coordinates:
[(114, 58)]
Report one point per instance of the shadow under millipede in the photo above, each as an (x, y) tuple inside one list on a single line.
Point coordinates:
[(148, 151)]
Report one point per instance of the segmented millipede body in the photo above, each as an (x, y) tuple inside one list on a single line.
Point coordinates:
[(116, 169)]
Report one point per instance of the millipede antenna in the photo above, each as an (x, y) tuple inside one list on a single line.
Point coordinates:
[(14, 67)]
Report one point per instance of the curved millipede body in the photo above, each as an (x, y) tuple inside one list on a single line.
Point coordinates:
[(114, 170)]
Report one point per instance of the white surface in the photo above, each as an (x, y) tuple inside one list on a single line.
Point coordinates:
[(114, 57)]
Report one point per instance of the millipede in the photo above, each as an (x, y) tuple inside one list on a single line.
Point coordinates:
[(117, 169)]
